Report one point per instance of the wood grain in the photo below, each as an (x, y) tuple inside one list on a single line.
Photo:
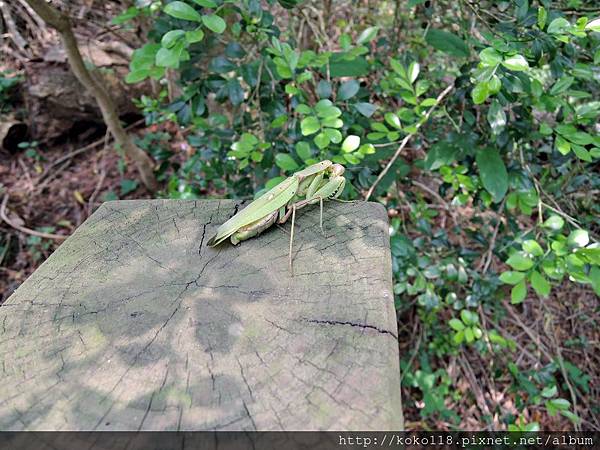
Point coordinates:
[(134, 324)]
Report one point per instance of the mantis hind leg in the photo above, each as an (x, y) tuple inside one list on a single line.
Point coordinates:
[(321, 215), (292, 238)]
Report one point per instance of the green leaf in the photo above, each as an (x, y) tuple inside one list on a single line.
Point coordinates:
[(367, 149), (562, 145), (518, 292), (468, 317), (348, 90), (333, 122), (303, 109), (520, 261), (128, 186), (339, 67), (393, 120), (206, 3), (135, 76), (194, 36), (214, 23), (516, 63), (181, 10), (459, 337), (580, 138), (286, 162), (594, 25), (511, 277), (539, 284), (490, 57), (595, 279), (542, 16), (170, 38), (279, 121), (578, 238), (560, 25), (456, 324), (413, 71), (367, 35), (480, 92), (288, 4), (440, 154), (323, 106), (492, 172), (366, 109), (561, 85), (496, 117), (143, 58), (590, 254), (581, 153), (559, 403), (303, 150), (532, 247), (235, 91), (334, 135), (309, 125), (554, 223), (350, 144), (447, 42), (571, 416), (324, 89), (221, 64), (549, 391), (322, 140), (304, 77), (351, 158), (330, 112), (126, 15), (469, 335), (166, 57), (494, 85)]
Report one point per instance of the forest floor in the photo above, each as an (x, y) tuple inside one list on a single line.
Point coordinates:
[(59, 188)]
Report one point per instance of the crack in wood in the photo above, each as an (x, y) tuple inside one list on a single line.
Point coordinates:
[(352, 324)]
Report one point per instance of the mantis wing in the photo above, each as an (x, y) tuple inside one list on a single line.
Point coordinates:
[(311, 170), (271, 201)]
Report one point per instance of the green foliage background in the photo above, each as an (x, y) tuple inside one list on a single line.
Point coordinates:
[(263, 89)]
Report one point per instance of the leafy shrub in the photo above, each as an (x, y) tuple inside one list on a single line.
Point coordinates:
[(506, 149)]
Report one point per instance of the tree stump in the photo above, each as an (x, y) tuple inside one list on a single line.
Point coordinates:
[(134, 324)]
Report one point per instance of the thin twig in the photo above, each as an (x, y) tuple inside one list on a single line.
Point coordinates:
[(407, 138), (414, 354), (528, 331), (487, 259), (41, 186), (444, 204), (477, 391), (16, 37), (560, 360), (102, 176), (22, 229)]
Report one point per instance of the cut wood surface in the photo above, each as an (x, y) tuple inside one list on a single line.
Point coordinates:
[(134, 324)]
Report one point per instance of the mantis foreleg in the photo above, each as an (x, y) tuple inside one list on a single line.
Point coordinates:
[(317, 191)]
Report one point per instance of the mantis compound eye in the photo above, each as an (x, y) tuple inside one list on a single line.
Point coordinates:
[(337, 170)]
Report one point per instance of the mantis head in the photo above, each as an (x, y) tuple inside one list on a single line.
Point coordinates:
[(337, 170)]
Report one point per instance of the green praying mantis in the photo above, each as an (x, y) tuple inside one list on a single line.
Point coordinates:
[(321, 181)]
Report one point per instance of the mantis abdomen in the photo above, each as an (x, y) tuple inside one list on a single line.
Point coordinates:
[(254, 228)]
